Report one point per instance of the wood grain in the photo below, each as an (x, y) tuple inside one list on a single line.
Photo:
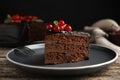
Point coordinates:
[(9, 72)]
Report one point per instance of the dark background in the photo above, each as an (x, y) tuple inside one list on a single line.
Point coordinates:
[(77, 13)]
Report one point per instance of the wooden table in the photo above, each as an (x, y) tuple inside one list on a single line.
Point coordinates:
[(10, 72)]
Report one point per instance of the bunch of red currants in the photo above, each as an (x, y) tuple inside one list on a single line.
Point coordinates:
[(19, 19), (58, 26)]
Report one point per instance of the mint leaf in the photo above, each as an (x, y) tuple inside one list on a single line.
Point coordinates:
[(55, 22)]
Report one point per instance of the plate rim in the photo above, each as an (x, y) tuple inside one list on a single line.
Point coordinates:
[(64, 68)]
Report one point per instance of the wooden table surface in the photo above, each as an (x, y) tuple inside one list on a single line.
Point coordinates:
[(10, 72)]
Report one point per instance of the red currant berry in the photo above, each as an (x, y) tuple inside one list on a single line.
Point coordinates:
[(22, 18), (56, 29), (28, 20), (62, 28), (68, 28), (30, 17), (61, 22), (49, 26), (16, 17)]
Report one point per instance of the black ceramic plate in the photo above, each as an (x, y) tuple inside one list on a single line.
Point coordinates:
[(99, 58)]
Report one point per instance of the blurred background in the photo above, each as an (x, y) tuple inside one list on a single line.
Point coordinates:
[(77, 13)]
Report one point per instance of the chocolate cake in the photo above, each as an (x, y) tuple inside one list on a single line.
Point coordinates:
[(66, 47), (20, 30)]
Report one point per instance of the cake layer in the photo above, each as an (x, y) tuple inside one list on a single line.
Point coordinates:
[(57, 58), (66, 47)]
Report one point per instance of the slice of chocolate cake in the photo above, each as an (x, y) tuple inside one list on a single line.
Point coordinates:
[(66, 47)]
